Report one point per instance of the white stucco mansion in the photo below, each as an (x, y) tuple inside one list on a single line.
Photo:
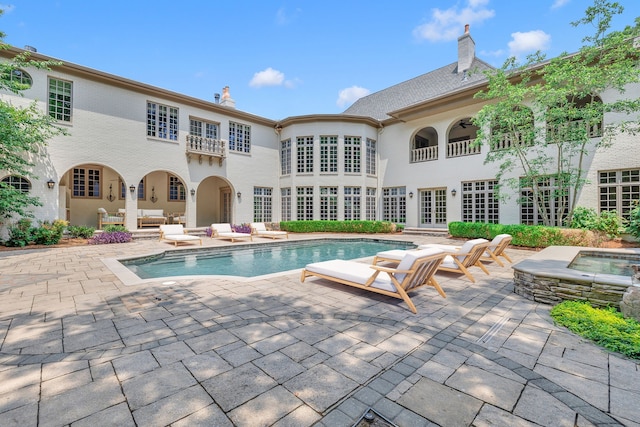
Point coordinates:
[(402, 154)]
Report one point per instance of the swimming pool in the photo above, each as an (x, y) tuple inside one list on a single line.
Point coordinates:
[(256, 260), (605, 262)]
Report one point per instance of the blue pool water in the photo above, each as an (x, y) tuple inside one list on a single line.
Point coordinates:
[(256, 260)]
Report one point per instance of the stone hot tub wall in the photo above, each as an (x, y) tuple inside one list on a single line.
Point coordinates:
[(546, 278)]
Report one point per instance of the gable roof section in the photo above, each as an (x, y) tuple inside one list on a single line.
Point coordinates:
[(428, 86)]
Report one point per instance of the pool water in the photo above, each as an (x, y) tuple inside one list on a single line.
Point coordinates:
[(256, 260), (605, 263)]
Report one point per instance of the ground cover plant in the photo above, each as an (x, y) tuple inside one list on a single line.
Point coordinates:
[(606, 327)]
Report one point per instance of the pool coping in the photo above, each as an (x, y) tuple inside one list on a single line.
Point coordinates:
[(129, 278)]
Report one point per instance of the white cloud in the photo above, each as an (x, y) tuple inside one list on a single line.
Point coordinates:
[(448, 24), (529, 42), (350, 95), (268, 77), (559, 3), (283, 17)]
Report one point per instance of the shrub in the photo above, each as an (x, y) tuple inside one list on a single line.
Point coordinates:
[(633, 226), (49, 233), (608, 223), (80, 231), (242, 228), (532, 236), (20, 234), (107, 237), (111, 228), (338, 226), (606, 327)]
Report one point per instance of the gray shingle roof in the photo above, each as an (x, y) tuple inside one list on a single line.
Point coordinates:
[(419, 89)]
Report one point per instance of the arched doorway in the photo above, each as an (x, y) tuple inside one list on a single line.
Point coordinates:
[(214, 202)]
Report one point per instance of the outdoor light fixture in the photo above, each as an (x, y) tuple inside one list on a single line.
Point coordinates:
[(193, 191), (239, 195), (51, 183), (453, 192), (153, 195), (111, 197), (132, 188), (411, 194)]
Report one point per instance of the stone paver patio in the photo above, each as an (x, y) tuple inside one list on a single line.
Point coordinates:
[(81, 348)]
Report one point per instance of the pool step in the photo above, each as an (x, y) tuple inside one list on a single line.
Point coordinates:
[(426, 231)]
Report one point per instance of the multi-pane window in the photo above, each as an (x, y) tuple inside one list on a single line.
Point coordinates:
[(177, 191), (554, 201), (352, 203), (352, 154), (329, 203), (304, 203), (262, 204), (479, 202), (619, 190), (371, 157), (329, 154), (21, 78), (394, 204), (285, 157), (304, 147), (203, 129), (86, 183), (162, 121), (239, 137), (17, 182), (60, 97), (370, 204), (433, 206), (141, 190), (285, 202)]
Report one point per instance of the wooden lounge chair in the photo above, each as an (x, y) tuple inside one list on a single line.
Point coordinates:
[(176, 233), (260, 229), (496, 249), (458, 260), (416, 269), (224, 231)]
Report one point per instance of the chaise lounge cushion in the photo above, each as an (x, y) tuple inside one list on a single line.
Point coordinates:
[(224, 231), (359, 273), (176, 233), (260, 229)]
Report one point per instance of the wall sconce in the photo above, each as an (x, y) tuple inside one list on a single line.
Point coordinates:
[(153, 195), (239, 195), (51, 183), (111, 197), (132, 188), (193, 191), (453, 192), (411, 194)]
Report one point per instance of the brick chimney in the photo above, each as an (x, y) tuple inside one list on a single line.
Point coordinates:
[(466, 50)]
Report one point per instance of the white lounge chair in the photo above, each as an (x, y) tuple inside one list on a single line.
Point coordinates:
[(177, 234), (458, 260), (224, 231), (416, 269), (496, 249), (260, 229)]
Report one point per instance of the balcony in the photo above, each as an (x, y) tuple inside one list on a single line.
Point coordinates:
[(465, 147), (424, 154), (564, 132), (205, 148)]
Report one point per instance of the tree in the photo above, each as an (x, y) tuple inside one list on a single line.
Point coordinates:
[(23, 134), (542, 118)]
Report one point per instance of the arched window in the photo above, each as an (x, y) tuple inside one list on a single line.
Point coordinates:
[(17, 182), (21, 77), (575, 118)]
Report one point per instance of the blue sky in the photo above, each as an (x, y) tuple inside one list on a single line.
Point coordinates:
[(286, 58)]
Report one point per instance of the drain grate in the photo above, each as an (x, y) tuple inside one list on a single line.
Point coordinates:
[(371, 418)]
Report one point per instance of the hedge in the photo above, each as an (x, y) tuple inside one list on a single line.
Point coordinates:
[(532, 236), (339, 226)]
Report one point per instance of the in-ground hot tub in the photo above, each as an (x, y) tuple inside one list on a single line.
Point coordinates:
[(548, 276)]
